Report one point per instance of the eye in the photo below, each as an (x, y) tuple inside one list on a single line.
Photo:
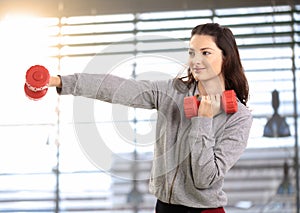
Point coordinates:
[(206, 53), (191, 53)]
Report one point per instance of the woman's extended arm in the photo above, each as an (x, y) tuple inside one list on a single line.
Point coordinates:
[(112, 89), (55, 81)]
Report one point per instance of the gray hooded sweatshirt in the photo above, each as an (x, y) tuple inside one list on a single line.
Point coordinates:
[(191, 156)]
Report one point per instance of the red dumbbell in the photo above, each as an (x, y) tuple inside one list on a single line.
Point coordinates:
[(229, 104), (37, 79)]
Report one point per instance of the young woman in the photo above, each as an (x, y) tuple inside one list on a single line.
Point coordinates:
[(191, 156)]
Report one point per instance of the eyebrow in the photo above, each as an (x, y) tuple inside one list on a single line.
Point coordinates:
[(204, 48)]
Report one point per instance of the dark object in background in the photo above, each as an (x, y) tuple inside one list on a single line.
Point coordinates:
[(276, 125)]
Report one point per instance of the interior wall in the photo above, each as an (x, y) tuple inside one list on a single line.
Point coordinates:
[(65, 8)]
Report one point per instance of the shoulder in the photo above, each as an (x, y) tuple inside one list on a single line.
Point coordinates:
[(170, 85), (243, 110), (242, 116)]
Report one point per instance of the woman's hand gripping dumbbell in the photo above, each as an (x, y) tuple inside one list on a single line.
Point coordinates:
[(37, 82), (228, 103)]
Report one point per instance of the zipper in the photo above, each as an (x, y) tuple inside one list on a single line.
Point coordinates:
[(176, 172), (172, 185)]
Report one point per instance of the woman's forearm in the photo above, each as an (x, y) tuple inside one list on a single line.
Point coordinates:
[(55, 81)]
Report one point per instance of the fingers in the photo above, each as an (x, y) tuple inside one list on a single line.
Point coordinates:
[(212, 98), (210, 105)]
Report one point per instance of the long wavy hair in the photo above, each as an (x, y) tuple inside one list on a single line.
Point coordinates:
[(232, 68)]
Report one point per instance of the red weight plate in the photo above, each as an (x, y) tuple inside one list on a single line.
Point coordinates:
[(191, 105), (34, 95), (229, 101), (37, 77)]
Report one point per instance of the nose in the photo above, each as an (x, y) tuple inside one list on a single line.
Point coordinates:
[(198, 59)]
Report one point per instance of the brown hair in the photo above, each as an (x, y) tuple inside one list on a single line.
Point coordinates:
[(232, 69)]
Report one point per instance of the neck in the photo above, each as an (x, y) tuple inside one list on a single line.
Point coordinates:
[(212, 86)]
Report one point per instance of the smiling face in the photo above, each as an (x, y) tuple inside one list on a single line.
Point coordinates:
[(205, 62), (205, 58), (215, 63)]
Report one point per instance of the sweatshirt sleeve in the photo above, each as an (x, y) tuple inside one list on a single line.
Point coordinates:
[(211, 157), (113, 89)]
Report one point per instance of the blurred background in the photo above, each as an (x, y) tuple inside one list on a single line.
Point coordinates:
[(42, 166)]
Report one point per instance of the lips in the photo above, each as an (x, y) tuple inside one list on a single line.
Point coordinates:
[(198, 69)]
